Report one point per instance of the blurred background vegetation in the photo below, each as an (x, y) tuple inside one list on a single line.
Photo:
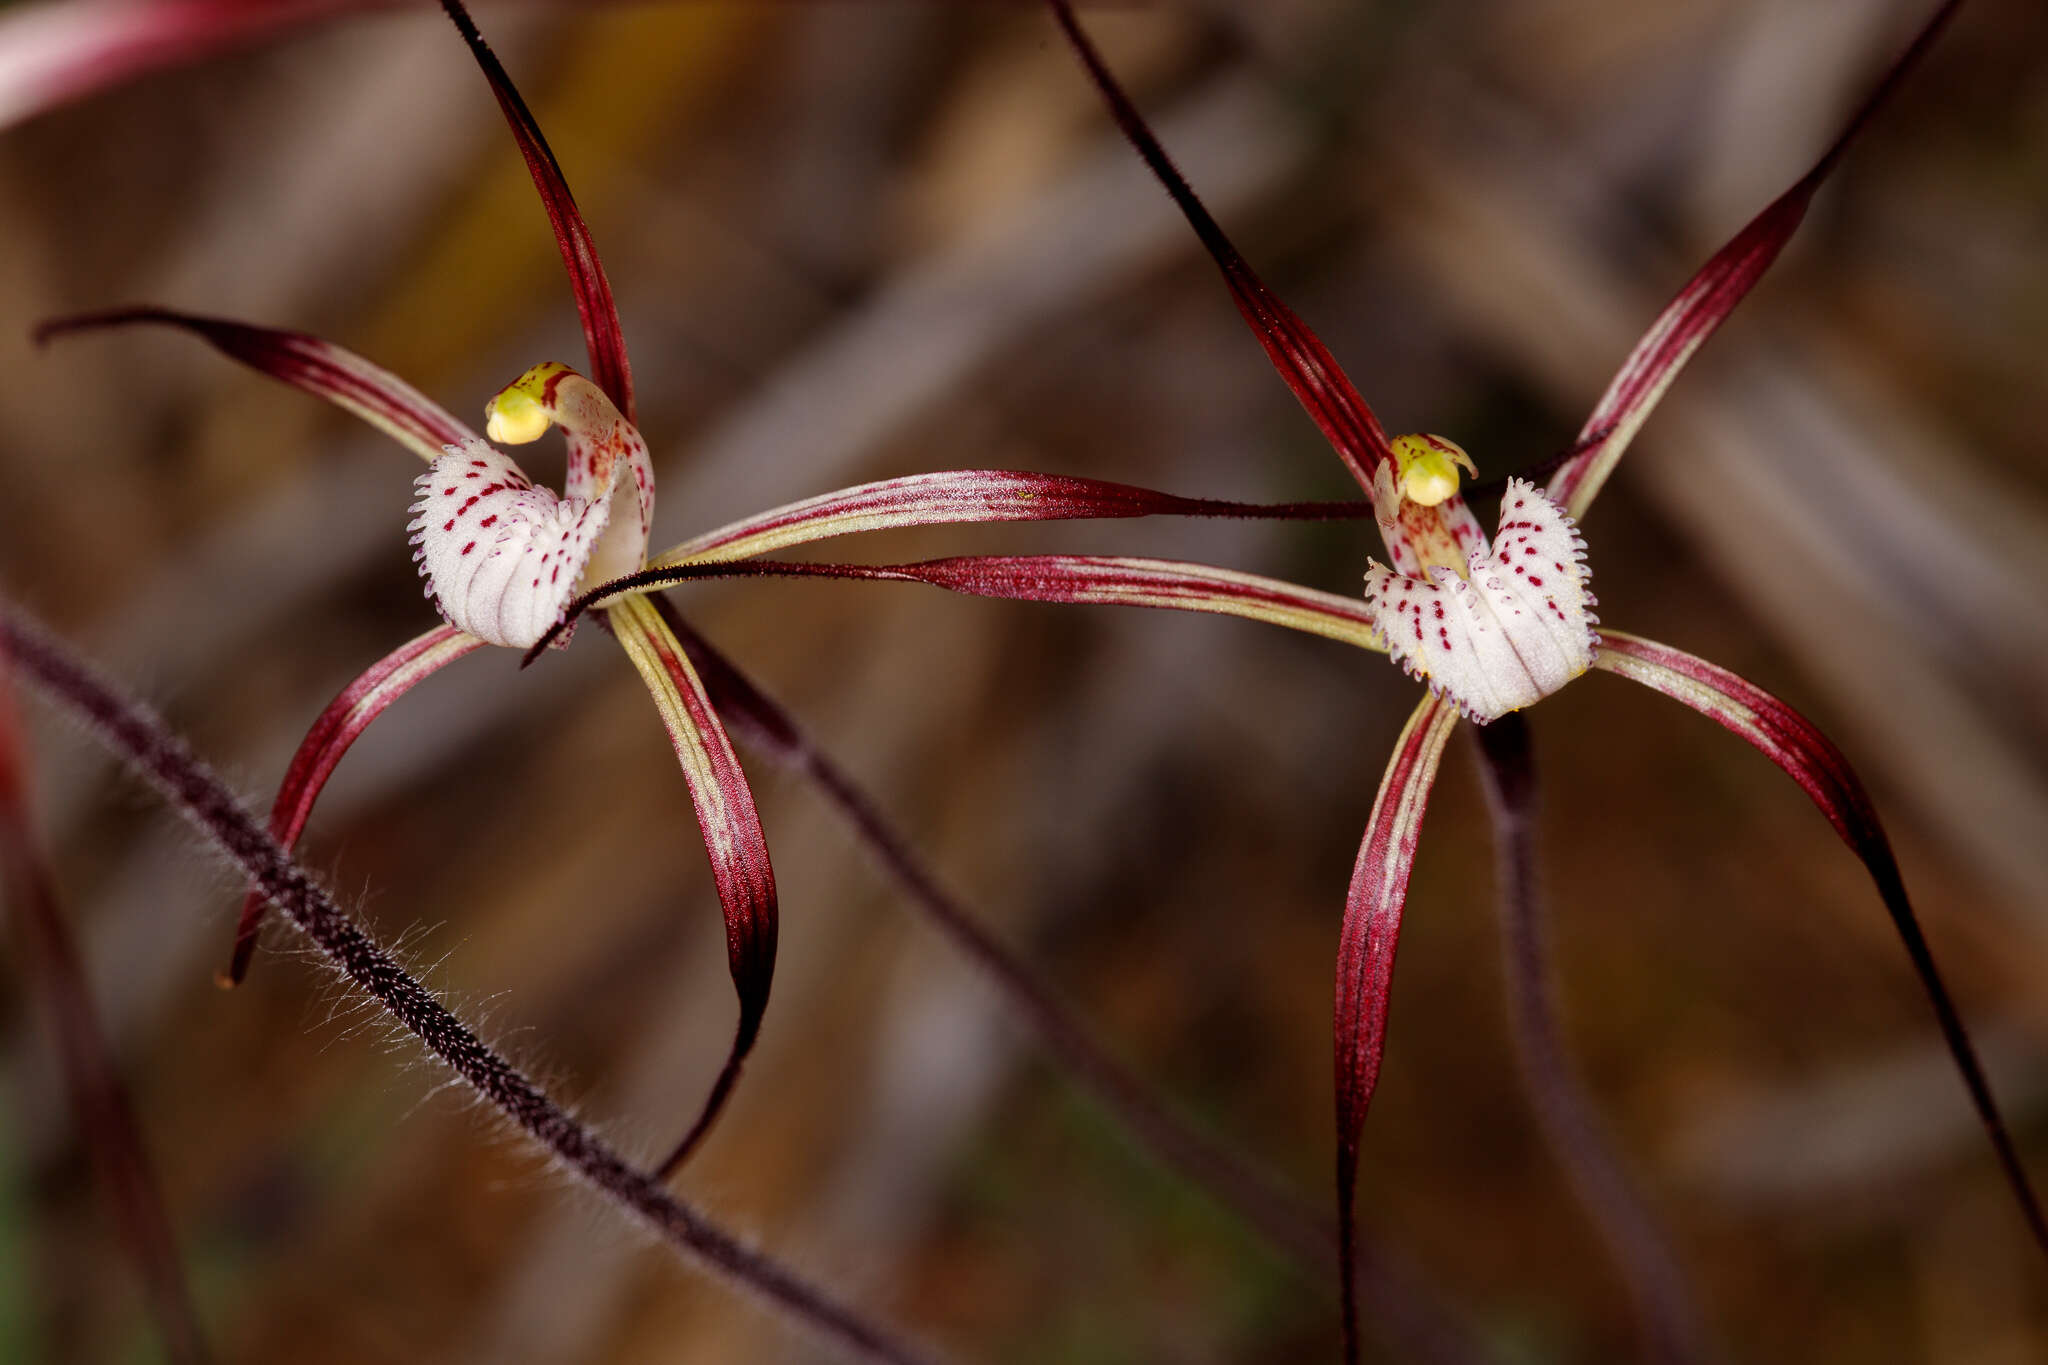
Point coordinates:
[(859, 239)]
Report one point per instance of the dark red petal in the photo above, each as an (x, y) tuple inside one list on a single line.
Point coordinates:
[(132, 733), (1792, 742), (1401, 1308), (732, 835), (1365, 958), (345, 718), (1089, 579), (964, 496), (1707, 300), (1300, 356), (306, 363), (601, 333)]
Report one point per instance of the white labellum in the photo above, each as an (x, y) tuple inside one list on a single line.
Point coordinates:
[(500, 556), (1514, 632)]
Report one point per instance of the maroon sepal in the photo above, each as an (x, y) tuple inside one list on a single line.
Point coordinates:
[(1296, 352), (733, 839), (594, 302), (338, 727), (1365, 960), (1708, 298), (1807, 756), (1095, 580), (305, 362)]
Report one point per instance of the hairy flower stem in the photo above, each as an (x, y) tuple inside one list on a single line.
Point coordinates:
[(142, 740), (54, 976), (1663, 1300), (1406, 1312)]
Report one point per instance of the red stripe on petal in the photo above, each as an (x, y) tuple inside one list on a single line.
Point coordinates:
[(1707, 300), (305, 363), (1365, 957), (338, 727), (1399, 1308), (967, 496), (1086, 579), (594, 302), (1809, 758), (731, 826), (1296, 352), (154, 753)]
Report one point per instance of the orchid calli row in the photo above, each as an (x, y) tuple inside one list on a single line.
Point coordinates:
[(501, 557)]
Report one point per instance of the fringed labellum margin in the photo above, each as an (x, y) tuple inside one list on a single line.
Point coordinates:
[(502, 557), (493, 547), (1510, 629)]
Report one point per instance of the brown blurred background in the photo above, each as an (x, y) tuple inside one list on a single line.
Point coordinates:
[(860, 239)]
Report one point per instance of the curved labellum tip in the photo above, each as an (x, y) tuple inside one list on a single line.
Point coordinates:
[(1514, 629), (607, 457), (500, 556)]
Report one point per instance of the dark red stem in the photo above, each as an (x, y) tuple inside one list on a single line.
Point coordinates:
[(1571, 1124), (1406, 1310), (142, 740), (55, 979)]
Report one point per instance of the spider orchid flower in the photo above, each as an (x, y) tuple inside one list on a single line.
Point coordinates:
[(1495, 627), (502, 557), (1491, 626)]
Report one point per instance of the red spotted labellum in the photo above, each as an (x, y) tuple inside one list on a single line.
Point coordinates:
[(1494, 627), (502, 557)]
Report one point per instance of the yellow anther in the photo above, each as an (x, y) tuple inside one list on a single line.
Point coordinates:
[(521, 411), (513, 419), (1429, 467)]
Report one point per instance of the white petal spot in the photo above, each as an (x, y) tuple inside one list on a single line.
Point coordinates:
[(1518, 630), (500, 556)]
